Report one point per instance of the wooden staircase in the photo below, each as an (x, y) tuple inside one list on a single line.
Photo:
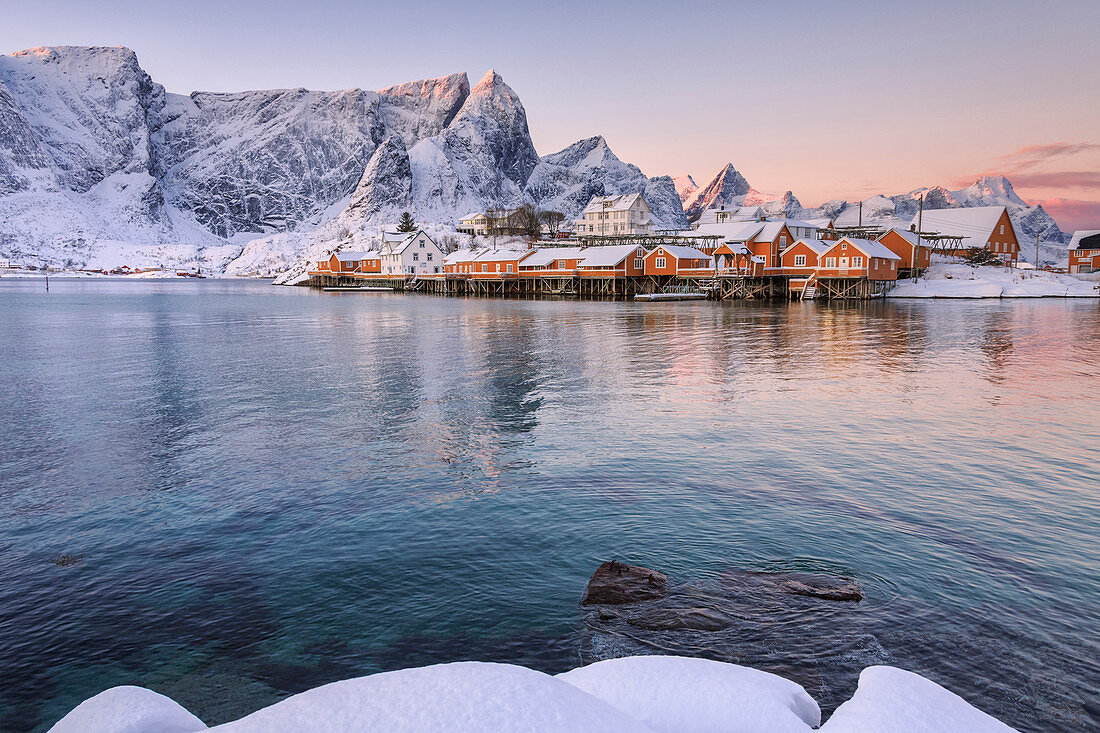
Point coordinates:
[(809, 290)]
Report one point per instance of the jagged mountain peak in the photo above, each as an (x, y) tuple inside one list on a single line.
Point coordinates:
[(451, 85), (490, 82), (685, 186), (722, 190), (592, 151)]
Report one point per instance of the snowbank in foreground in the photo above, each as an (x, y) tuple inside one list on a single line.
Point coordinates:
[(965, 281), (889, 699), (128, 709), (672, 694), (630, 695)]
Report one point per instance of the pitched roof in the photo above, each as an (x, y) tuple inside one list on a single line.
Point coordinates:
[(681, 252), (817, 245), (404, 243), (502, 255), (1082, 234), (544, 256), (354, 256), (908, 236), (975, 222), (868, 247), (460, 255), (621, 202), (608, 256), (733, 231)]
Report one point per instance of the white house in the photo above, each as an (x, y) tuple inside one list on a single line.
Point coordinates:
[(616, 215), (416, 254)]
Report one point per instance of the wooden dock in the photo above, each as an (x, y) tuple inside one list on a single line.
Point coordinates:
[(610, 287)]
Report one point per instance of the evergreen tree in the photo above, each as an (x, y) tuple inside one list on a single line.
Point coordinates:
[(407, 224)]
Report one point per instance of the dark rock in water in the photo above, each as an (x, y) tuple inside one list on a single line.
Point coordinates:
[(666, 619), (816, 586), (614, 583), (799, 584)]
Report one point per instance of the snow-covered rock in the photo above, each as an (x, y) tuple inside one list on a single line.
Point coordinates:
[(128, 709), (890, 699), (676, 694), (461, 697), (632, 695)]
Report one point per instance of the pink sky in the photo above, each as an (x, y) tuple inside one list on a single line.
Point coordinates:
[(831, 100)]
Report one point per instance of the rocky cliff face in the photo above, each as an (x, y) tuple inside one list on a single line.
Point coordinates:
[(100, 166), (567, 180)]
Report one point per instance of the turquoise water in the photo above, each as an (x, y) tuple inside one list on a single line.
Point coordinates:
[(264, 489)]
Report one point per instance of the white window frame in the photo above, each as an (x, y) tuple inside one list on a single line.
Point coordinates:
[(857, 261), (800, 260), (638, 263), (659, 262), (830, 263)]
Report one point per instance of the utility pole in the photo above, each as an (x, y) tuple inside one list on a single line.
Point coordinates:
[(1036, 251), (861, 213), (916, 247)]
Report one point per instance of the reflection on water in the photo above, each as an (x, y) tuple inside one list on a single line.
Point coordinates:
[(274, 488)]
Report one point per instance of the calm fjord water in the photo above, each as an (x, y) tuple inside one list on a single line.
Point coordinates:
[(264, 489)]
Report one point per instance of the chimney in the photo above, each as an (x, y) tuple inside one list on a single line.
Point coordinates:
[(913, 227)]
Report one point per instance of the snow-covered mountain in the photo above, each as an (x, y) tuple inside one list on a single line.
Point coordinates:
[(100, 166), (986, 191), (730, 189)]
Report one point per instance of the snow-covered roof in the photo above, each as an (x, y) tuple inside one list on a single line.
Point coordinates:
[(460, 255), (543, 257), (354, 256), (817, 245), (800, 223), (681, 252), (612, 203), (976, 222), (502, 255), (403, 244), (770, 231), (607, 256), (1075, 242), (867, 247), (734, 231), (908, 236)]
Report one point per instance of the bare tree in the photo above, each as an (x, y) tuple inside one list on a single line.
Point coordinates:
[(552, 220), (527, 220)]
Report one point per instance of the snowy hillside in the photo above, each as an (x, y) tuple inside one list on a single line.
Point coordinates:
[(100, 166)]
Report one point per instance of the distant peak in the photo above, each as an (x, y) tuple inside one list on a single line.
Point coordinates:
[(489, 82)]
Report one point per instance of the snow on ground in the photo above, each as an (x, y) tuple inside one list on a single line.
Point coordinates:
[(966, 281), (889, 699), (654, 694), (673, 694)]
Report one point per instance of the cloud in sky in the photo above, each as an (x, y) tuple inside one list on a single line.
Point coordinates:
[(1057, 179), (1073, 214), (1030, 156)]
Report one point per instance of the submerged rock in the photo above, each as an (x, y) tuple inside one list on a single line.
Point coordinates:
[(667, 619), (800, 584), (614, 583)]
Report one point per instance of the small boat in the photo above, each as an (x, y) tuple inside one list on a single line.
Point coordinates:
[(671, 296), (359, 289)]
